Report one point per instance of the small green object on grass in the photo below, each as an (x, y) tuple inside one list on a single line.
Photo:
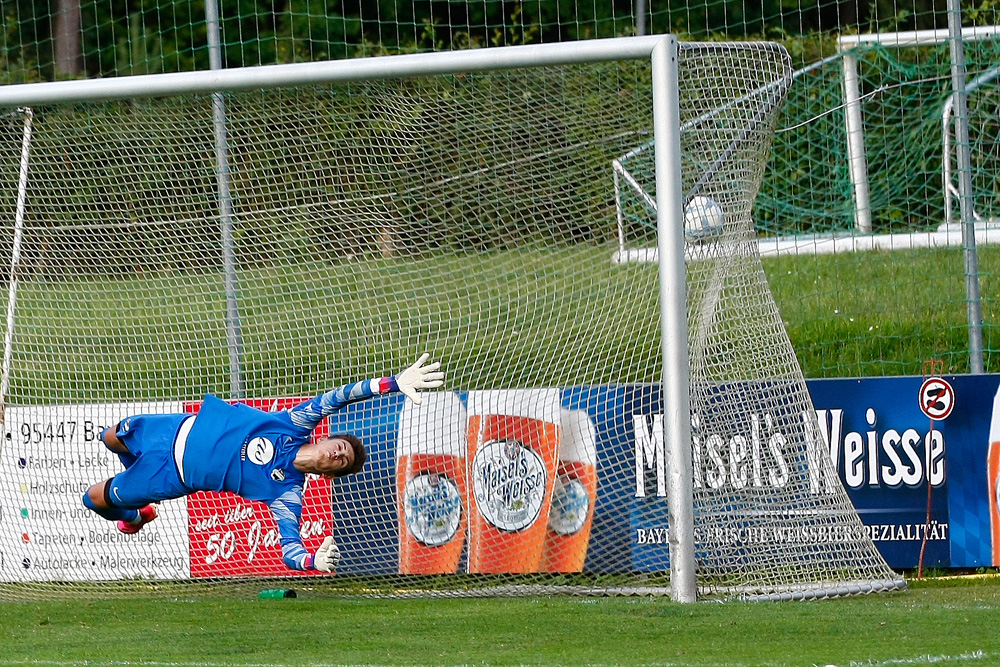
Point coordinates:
[(277, 593)]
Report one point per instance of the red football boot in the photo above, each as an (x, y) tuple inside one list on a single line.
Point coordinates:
[(146, 514)]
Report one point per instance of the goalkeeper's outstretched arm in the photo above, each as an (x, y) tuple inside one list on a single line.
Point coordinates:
[(409, 381), (287, 511)]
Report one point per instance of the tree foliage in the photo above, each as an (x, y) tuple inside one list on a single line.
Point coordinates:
[(144, 36)]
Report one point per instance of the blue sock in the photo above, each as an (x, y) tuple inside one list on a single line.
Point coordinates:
[(112, 513)]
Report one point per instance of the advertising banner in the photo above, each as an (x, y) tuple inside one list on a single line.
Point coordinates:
[(51, 456), (912, 477), (531, 480), (918, 483)]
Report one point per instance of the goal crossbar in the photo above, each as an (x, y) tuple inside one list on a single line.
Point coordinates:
[(332, 71)]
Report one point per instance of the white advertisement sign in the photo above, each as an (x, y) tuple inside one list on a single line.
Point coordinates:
[(49, 457)]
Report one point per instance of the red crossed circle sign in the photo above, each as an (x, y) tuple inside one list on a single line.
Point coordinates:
[(937, 398)]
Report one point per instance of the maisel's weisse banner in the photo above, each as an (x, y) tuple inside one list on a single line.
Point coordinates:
[(536, 480), (893, 462)]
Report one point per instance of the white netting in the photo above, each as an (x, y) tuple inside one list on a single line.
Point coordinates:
[(471, 216)]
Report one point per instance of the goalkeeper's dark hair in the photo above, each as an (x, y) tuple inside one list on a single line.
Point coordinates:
[(360, 454)]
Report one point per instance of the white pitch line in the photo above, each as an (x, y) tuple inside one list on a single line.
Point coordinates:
[(924, 660)]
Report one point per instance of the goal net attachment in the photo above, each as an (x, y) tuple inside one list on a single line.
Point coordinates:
[(267, 234)]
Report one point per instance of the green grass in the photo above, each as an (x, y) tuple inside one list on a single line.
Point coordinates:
[(884, 313), (936, 622), (501, 318), (864, 314), (314, 325)]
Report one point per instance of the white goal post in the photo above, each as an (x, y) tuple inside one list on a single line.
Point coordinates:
[(484, 258)]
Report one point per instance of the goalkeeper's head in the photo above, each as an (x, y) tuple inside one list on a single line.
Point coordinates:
[(360, 454), (335, 456)]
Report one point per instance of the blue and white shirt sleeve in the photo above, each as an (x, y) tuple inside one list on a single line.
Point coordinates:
[(287, 511), (308, 415)]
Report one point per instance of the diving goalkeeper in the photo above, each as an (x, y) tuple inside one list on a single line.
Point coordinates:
[(258, 455)]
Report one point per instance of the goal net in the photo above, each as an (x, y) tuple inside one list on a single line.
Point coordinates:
[(295, 239)]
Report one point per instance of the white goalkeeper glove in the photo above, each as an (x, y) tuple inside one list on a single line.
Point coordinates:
[(327, 556), (419, 376)]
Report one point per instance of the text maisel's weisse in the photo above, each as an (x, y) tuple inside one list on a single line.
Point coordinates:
[(755, 454)]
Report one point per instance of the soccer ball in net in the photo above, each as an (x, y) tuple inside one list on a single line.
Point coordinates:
[(703, 219)]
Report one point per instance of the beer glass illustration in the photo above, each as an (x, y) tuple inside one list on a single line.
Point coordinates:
[(993, 479), (573, 496), (430, 484), (513, 451)]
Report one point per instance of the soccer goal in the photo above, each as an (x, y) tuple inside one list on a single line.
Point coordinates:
[(604, 428)]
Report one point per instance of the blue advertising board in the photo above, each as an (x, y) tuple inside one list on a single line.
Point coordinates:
[(907, 474), (918, 484)]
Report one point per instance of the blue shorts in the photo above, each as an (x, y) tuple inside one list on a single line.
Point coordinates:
[(150, 471)]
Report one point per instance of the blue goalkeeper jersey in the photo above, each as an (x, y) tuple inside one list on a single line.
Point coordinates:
[(249, 452)]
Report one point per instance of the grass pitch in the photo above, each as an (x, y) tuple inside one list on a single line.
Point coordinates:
[(306, 328), (884, 313), (937, 622)]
